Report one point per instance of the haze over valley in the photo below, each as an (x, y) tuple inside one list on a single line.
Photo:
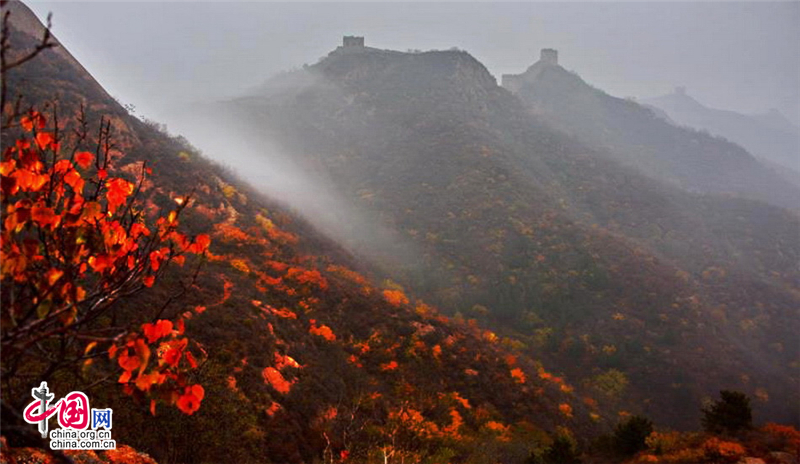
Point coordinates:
[(463, 233)]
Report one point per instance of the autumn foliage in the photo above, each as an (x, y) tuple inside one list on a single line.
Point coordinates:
[(75, 241)]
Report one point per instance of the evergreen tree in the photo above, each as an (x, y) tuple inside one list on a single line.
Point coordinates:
[(630, 436), (730, 414)]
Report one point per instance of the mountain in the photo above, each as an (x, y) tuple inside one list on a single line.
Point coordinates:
[(643, 294), (307, 359), (769, 136), (636, 136)]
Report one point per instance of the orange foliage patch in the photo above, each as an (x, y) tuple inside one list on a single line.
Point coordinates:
[(518, 375), (503, 431), (390, 366), (273, 408), (240, 265), (352, 276), (275, 379), (461, 400), (230, 233), (714, 448), (283, 361), (304, 276), (395, 297), (323, 331), (784, 432), (232, 383)]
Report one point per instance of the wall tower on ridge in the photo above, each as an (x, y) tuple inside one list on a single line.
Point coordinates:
[(352, 41)]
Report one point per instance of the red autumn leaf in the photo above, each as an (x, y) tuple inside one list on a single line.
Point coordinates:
[(53, 275), (201, 243), (62, 166), (74, 180), (127, 362), (44, 216), (156, 257), (153, 332), (188, 404), (84, 159), (101, 263), (148, 281), (26, 123), (45, 140), (35, 119), (118, 192), (190, 359), (91, 211), (145, 381), (138, 229), (172, 356), (30, 181), (171, 352), (102, 174), (125, 377), (198, 391)]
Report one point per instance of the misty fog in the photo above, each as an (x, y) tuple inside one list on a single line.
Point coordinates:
[(162, 58), (730, 55), (572, 214)]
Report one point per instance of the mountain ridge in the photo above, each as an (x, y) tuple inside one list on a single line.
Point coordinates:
[(638, 137), (769, 136), (531, 230)]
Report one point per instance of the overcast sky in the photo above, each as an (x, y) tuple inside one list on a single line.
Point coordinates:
[(155, 55)]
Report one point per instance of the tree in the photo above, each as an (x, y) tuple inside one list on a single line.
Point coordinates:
[(74, 242), (563, 450), (732, 413), (630, 436)]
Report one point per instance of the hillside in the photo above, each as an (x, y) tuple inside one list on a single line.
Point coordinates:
[(306, 358), (769, 136), (638, 137), (642, 294)]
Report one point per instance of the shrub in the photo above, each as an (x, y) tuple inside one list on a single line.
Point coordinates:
[(630, 436), (732, 413)]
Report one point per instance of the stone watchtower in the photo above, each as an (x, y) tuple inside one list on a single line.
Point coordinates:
[(514, 82), (352, 41), (549, 56)]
